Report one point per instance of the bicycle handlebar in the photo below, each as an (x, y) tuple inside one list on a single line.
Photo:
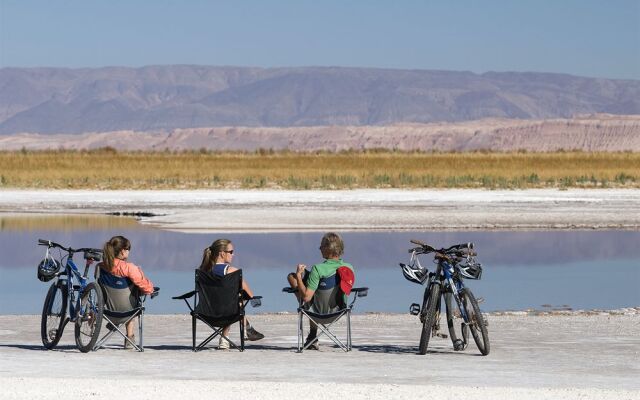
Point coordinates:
[(49, 243), (458, 250)]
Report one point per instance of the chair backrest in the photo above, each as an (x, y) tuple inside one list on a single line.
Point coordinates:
[(219, 296), (120, 294), (328, 297)]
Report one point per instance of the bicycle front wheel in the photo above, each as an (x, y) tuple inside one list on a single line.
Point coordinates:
[(476, 321), (429, 309), (89, 317), (54, 314), (460, 337)]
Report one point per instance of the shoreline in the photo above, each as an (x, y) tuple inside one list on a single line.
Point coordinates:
[(530, 312), (531, 358), (345, 210)]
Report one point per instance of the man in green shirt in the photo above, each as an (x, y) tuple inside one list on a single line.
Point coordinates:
[(321, 277)]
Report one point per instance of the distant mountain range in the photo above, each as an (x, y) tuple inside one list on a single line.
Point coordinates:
[(164, 98)]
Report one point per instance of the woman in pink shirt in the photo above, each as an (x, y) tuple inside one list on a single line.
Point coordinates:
[(114, 261)]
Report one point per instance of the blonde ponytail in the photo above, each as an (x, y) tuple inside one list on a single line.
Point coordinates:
[(212, 252)]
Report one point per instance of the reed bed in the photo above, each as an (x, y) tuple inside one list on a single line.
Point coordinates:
[(64, 223), (110, 169)]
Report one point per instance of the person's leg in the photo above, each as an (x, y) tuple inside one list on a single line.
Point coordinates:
[(130, 327), (223, 344), (249, 331), (313, 328), (293, 282)]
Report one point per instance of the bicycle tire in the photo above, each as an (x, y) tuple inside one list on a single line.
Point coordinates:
[(89, 319), (463, 334), (54, 315), (430, 303), (476, 321)]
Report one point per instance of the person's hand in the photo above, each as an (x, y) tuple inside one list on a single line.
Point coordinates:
[(300, 269)]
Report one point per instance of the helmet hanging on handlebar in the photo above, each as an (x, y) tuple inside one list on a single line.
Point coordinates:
[(415, 273), (470, 268), (47, 269)]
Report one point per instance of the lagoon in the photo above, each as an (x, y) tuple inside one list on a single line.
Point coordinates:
[(562, 269)]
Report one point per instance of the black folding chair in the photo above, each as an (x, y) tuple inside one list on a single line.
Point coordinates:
[(326, 308), (122, 303), (218, 301)]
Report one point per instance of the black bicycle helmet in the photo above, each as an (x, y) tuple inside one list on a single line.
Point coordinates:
[(47, 269)]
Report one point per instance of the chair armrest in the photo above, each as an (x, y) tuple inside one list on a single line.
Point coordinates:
[(186, 295), (290, 290), (361, 291), (256, 301)]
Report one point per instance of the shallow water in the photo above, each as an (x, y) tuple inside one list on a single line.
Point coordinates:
[(530, 269)]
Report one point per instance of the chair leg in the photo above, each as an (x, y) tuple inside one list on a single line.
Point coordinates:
[(300, 332), (140, 331), (193, 331), (241, 322), (349, 330)]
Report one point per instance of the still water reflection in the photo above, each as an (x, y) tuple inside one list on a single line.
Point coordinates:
[(579, 269)]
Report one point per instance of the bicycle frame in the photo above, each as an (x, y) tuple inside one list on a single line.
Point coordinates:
[(442, 276), (454, 285), (72, 272)]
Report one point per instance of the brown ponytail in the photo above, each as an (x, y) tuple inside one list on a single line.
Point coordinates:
[(112, 249)]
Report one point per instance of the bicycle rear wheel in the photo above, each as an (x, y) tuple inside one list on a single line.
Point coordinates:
[(54, 315), (89, 317), (459, 337), (429, 306), (476, 321)]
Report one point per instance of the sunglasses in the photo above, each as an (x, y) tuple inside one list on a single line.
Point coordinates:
[(228, 251)]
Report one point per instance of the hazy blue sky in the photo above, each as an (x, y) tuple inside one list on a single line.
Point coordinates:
[(580, 37)]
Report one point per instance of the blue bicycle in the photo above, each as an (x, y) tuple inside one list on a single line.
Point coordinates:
[(70, 291), (453, 264)]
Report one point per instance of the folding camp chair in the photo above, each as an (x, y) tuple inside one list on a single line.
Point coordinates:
[(122, 303), (218, 301), (326, 308)]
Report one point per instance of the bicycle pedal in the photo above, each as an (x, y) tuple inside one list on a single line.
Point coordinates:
[(414, 309), (442, 335)]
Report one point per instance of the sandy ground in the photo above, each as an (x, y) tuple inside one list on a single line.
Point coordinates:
[(573, 356), (388, 209)]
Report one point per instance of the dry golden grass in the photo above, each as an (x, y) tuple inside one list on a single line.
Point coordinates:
[(36, 222), (107, 169)]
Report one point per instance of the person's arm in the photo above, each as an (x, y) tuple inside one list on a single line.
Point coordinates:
[(136, 275), (245, 285), (306, 294)]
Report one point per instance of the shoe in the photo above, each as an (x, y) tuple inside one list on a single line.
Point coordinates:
[(252, 334), (223, 344), (314, 346), (127, 344)]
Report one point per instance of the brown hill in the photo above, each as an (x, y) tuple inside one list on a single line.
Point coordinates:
[(598, 132)]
